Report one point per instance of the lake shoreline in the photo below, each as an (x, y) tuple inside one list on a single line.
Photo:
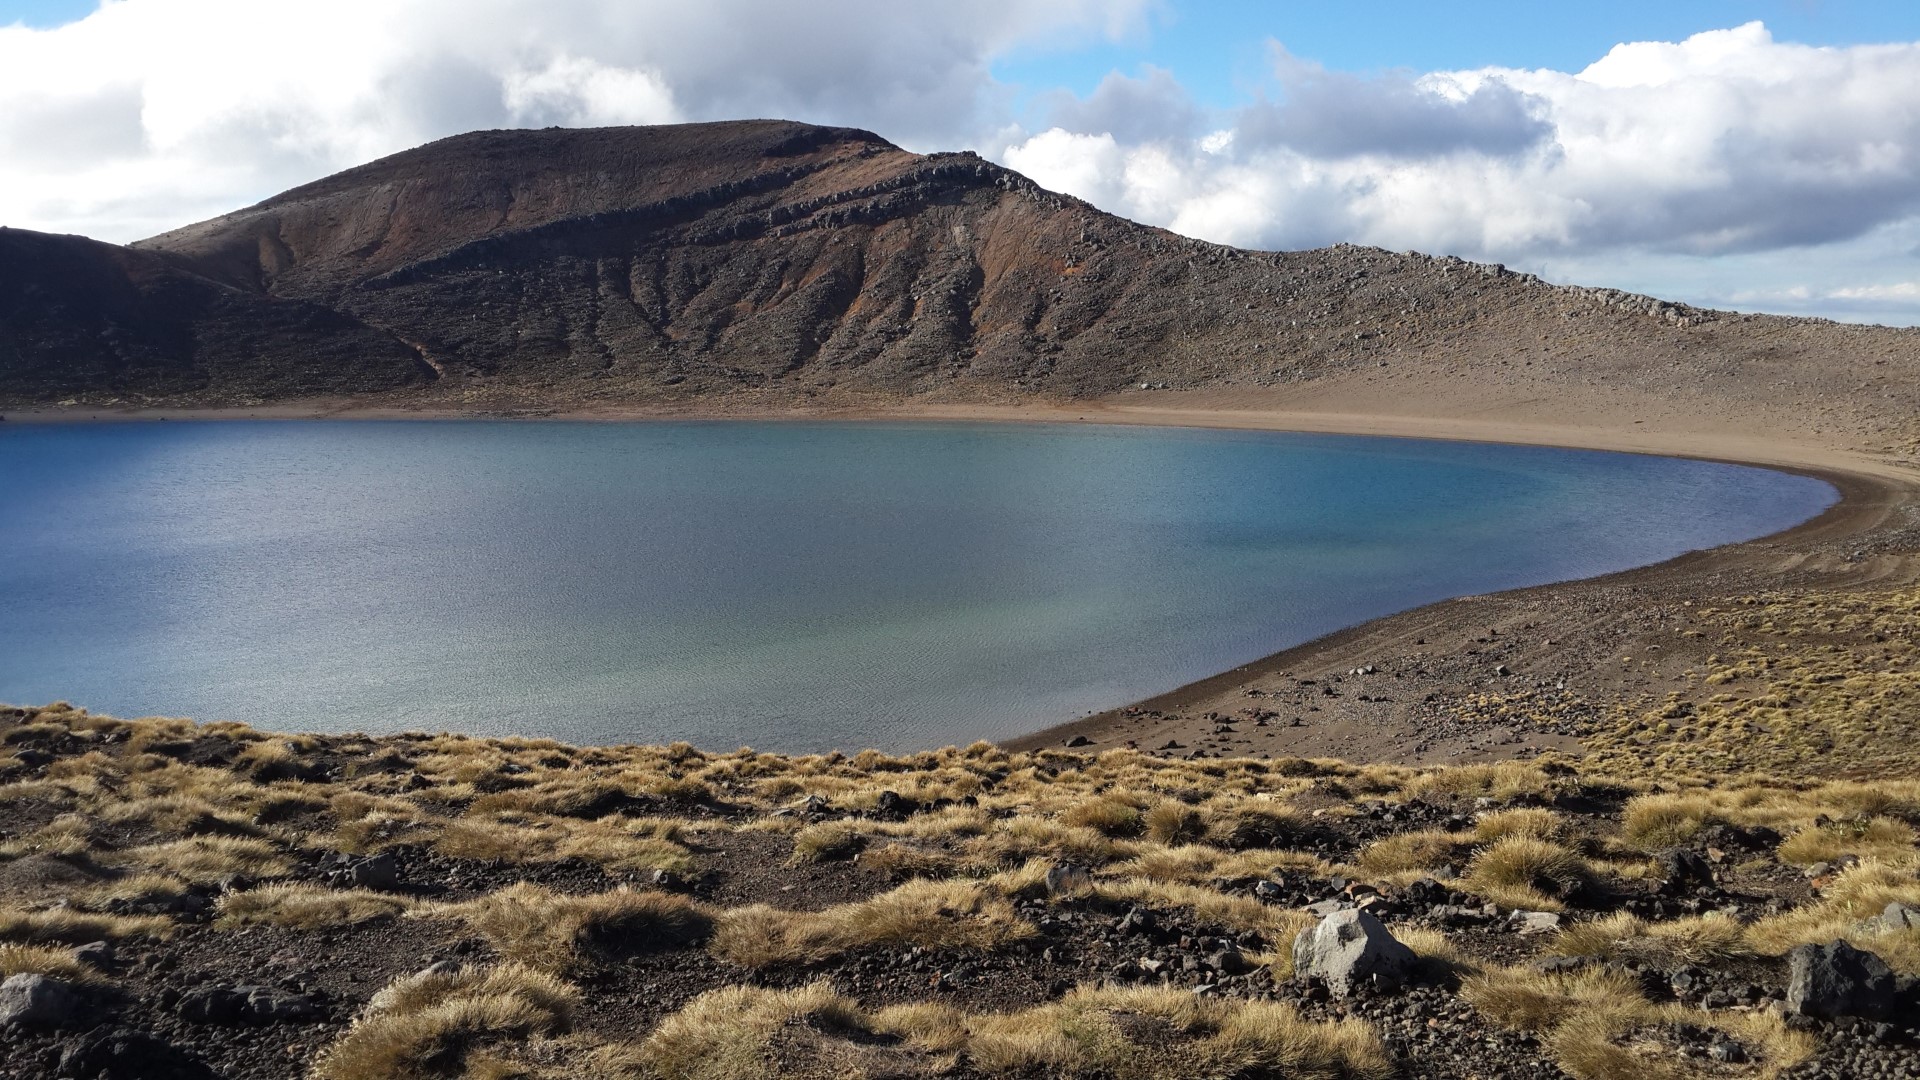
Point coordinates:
[(1421, 646)]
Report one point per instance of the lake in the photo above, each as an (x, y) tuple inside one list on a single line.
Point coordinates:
[(789, 586)]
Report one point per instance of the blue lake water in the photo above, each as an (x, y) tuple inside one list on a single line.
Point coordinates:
[(790, 586)]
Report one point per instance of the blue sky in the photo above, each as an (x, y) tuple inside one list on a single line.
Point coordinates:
[(1218, 49), (1757, 155)]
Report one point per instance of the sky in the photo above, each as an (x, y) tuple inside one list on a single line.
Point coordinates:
[(1761, 156)]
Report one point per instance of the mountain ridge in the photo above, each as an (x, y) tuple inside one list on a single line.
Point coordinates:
[(698, 264)]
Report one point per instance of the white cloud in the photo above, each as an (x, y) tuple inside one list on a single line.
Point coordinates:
[(152, 113), (1727, 167), (1728, 145)]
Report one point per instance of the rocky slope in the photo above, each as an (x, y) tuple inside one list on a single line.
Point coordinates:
[(785, 264)]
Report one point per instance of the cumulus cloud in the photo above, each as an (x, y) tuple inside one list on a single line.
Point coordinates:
[(1727, 143), (151, 113)]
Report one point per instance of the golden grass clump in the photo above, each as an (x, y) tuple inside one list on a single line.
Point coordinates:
[(743, 1033), (827, 841), (1853, 897), (48, 960), (1634, 1040), (1407, 853), (77, 927), (935, 914), (1247, 825), (1521, 872), (426, 1025), (1654, 822), (534, 925), (1527, 1000), (1108, 815), (1529, 821), (205, 860), (1174, 823), (305, 907), (1701, 939), (1867, 838)]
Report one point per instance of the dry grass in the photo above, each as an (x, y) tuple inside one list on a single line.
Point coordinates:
[(1853, 897), (744, 1033), (1702, 939), (46, 960), (1635, 1041), (1520, 872), (827, 841), (1866, 838), (304, 907), (206, 860), (535, 926), (1408, 853), (1174, 823), (427, 1025), (77, 927), (936, 914)]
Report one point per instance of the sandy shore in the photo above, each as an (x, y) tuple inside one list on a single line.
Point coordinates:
[(1559, 642)]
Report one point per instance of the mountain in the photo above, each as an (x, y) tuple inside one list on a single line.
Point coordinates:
[(780, 262)]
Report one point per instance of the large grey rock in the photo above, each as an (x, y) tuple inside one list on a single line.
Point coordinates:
[(1836, 979), (1350, 949), (40, 1001)]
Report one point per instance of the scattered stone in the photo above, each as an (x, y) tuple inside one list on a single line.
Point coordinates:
[(380, 872), (1066, 879), (1896, 917), (1350, 949), (97, 955), (40, 1001), (1682, 871), (123, 1054), (1534, 922), (247, 1005), (1835, 980)]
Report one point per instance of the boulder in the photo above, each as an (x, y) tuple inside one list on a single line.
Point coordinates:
[(1835, 980), (1682, 871), (40, 1001), (1351, 949)]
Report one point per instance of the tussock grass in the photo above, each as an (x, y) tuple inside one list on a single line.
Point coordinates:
[(1530, 822), (1108, 815), (205, 860), (533, 925), (77, 927), (1866, 838), (1418, 852), (304, 907), (427, 1025), (1701, 939), (827, 841), (1126, 1034), (1521, 872), (55, 963), (935, 914), (1634, 1041), (1528, 1000), (1855, 896), (1174, 823)]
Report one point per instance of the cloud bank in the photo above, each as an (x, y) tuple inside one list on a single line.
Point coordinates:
[(1727, 168)]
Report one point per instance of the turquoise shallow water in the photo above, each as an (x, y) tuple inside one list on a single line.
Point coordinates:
[(790, 586)]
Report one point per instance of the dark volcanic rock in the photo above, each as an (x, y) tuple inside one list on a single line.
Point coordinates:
[(1835, 980)]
